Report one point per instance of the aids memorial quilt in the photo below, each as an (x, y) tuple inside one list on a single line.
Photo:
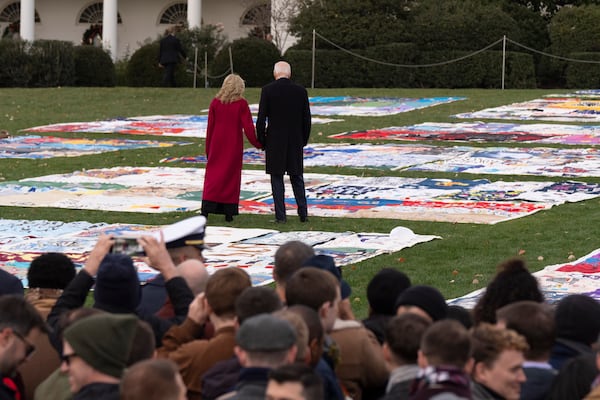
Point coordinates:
[(157, 190), (251, 249), (483, 132)]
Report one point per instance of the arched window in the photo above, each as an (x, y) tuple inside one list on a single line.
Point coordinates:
[(93, 13), (12, 13), (259, 14), (175, 14)]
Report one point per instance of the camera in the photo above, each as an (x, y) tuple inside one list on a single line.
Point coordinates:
[(127, 245)]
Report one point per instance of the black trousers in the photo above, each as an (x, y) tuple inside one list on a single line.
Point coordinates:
[(278, 190), (169, 75)]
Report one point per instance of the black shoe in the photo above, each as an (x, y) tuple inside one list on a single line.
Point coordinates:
[(229, 218), (303, 218)]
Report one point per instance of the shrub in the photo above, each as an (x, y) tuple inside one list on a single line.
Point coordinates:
[(253, 60), (52, 63), (142, 68), (583, 75), (93, 67), (15, 68)]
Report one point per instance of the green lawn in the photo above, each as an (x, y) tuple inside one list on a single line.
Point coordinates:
[(463, 261)]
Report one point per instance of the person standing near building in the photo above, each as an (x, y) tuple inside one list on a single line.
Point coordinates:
[(229, 119), (283, 127), (170, 54)]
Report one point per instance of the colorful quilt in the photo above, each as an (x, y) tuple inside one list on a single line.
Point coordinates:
[(559, 108), (165, 125), (369, 107), (541, 161), (38, 147), (156, 190), (252, 249), (483, 132), (557, 281)]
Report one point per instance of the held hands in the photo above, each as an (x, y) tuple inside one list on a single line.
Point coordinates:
[(158, 256), (199, 310), (97, 254)]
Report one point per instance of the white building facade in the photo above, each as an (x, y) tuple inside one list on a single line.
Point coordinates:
[(126, 24)]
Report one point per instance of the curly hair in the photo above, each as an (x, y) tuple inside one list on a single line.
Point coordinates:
[(232, 89)]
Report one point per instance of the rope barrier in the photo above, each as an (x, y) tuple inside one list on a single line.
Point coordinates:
[(552, 55)]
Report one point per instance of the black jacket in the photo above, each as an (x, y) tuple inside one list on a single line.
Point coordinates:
[(171, 50)]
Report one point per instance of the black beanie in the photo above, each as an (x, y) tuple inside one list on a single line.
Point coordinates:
[(117, 285), (427, 298), (103, 341), (578, 318), (384, 288)]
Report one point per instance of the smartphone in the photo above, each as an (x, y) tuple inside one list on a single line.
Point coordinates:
[(127, 245)]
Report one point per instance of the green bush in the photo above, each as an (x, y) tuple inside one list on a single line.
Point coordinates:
[(253, 60), (52, 63), (93, 67), (15, 70), (381, 75), (142, 68), (583, 75)]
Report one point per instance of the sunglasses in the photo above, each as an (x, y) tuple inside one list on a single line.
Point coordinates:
[(66, 358), (29, 348)]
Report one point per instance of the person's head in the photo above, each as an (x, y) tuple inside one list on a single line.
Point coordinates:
[(195, 274), (265, 341), (232, 89), (143, 345), (288, 259), (577, 318), (294, 382), (256, 300), (513, 282), (533, 320), (20, 326), (154, 379), (426, 301), (498, 359), (327, 263), (301, 330), (315, 330), (383, 290), (445, 343), (185, 239), (460, 314), (117, 287), (10, 284), (50, 270), (96, 348), (282, 70), (316, 289), (403, 335), (223, 288)]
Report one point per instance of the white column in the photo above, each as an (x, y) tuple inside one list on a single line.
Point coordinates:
[(109, 27), (27, 23), (194, 13)]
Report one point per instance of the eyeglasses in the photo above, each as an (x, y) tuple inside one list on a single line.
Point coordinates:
[(66, 358), (29, 348)]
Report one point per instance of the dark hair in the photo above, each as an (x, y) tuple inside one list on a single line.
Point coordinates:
[(152, 379), (224, 287), (384, 288), (403, 335), (256, 300), (535, 321), (312, 287), (143, 343), (51, 270), (513, 282), (446, 342), (289, 258), (18, 314), (312, 385), (312, 320)]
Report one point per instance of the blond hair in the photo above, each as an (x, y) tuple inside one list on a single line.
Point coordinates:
[(232, 89)]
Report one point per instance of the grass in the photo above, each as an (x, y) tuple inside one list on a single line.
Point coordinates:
[(464, 260)]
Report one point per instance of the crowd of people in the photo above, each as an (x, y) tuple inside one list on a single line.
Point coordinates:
[(190, 335)]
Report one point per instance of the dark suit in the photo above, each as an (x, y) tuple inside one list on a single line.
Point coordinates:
[(169, 56), (283, 127)]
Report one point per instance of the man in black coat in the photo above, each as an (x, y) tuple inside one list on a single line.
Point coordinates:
[(169, 56), (283, 127)]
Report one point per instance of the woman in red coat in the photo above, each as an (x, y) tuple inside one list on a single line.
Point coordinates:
[(229, 119)]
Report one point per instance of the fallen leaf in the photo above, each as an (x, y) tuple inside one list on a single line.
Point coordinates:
[(521, 252), (475, 281), (540, 258), (455, 272), (571, 257), (401, 259)]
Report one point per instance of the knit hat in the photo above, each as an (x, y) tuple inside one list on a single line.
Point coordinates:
[(578, 318), (265, 333), (427, 298), (103, 341), (327, 263), (117, 285), (384, 288)]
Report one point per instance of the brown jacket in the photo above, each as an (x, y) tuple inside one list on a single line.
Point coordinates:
[(195, 356), (45, 359), (361, 363)]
